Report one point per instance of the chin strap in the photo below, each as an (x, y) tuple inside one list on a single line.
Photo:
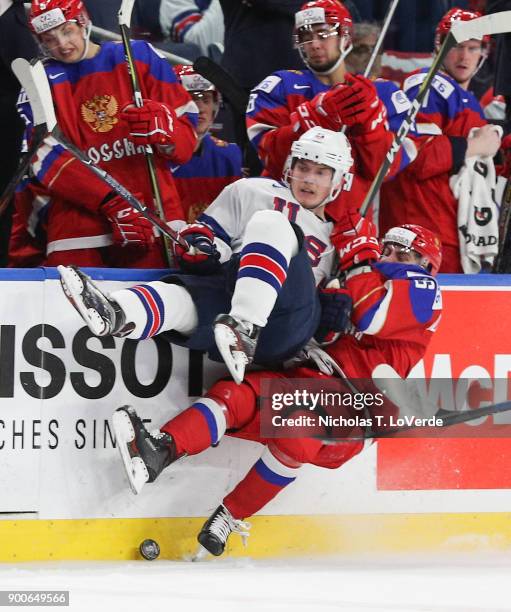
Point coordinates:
[(86, 37), (344, 51)]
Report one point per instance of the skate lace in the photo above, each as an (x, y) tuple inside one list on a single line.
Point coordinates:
[(224, 524), (156, 434)]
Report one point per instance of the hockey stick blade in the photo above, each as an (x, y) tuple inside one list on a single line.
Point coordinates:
[(43, 118), (124, 14), (495, 23), (32, 77), (223, 81)]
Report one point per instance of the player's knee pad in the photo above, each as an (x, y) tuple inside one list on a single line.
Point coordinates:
[(240, 402), (298, 450)]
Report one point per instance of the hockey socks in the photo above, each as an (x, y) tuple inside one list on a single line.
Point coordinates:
[(268, 245), (157, 307), (227, 406), (267, 477)]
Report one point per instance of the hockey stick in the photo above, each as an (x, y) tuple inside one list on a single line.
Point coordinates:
[(450, 418), (43, 125), (461, 31), (35, 82), (223, 81), (502, 263), (124, 17), (388, 18)]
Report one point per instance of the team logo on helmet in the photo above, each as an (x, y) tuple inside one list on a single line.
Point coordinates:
[(47, 15), (100, 113)]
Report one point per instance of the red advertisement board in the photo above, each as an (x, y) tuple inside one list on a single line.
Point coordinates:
[(473, 339)]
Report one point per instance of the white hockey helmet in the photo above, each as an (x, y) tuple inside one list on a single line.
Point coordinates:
[(325, 147)]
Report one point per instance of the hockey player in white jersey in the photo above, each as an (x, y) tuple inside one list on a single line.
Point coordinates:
[(248, 278)]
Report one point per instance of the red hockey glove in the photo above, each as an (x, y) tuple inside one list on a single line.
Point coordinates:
[(356, 241), (336, 306), (321, 110), (129, 227), (153, 123), (202, 256), (358, 104)]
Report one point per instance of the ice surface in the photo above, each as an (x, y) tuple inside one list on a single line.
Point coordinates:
[(468, 583)]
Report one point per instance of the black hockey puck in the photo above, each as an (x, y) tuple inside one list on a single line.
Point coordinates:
[(149, 549)]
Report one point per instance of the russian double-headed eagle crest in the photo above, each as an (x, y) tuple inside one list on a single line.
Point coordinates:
[(100, 112)]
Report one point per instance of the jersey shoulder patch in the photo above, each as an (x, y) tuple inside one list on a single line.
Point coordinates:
[(268, 84), (400, 101), (443, 86), (440, 83)]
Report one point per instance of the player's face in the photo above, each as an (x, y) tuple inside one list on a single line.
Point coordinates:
[(397, 253), (462, 61), (310, 182), (206, 104), (65, 43), (359, 56), (320, 45)]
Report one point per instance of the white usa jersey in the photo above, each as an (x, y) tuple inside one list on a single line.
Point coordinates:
[(229, 214)]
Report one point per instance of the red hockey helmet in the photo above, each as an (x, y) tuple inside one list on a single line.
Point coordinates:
[(192, 80), (445, 24), (419, 239), (330, 12), (47, 14)]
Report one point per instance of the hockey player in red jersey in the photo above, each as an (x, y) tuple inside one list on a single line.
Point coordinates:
[(421, 193), (288, 102), (86, 223), (397, 307), (247, 289), (214, 163)]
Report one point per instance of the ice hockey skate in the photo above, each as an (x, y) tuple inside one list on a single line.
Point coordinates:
[(144, 455), (237, 341), (216, 530), (102, 315)]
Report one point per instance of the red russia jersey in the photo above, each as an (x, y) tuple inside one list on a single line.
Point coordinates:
[(88, 97), (212, 167), (271, 132), (27, 241), (421, 193), (397, 308)]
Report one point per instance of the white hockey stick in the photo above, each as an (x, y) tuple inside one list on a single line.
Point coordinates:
[(388, 18), (43, 124), (35, 82), (124, 17), (461, 31)]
